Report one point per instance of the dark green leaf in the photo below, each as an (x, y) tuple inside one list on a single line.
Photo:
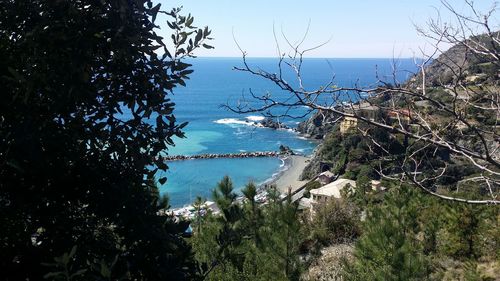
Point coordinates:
[(207, 46), (154, 12), (162, 181)]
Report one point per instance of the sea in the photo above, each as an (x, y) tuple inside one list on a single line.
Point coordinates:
[(214, 129)]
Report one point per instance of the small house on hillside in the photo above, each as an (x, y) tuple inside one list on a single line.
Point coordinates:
[(348, 123), (325, 177), (330, 191)]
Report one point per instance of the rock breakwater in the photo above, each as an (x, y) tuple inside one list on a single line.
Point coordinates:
[(223, 155)]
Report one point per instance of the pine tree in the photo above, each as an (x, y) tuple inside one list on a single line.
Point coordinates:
[(388, 249), (462, 236), (253, 221), (228, 259), (198, 204), (283, 236)]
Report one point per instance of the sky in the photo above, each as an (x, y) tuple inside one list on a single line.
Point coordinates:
[(352, 28)]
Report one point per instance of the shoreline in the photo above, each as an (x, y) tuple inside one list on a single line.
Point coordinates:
[(285, 180), (288, 178)]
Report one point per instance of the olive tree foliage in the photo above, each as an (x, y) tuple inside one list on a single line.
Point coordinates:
[(84, 115), (447, 113)]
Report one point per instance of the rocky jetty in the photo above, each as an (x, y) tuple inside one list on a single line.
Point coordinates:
[(223, 155)]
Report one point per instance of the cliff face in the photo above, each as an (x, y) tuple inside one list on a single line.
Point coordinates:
[(318, 125)]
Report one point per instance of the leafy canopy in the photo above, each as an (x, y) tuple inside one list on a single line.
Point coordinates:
[(85, 113)]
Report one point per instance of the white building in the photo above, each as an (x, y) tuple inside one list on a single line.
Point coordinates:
[(331, 190)]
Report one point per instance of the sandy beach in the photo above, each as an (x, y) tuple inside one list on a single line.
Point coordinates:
[(290, 177)]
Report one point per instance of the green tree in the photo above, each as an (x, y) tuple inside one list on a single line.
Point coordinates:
[(227, 260), (336, 222), (249, 241), (389, 248), (84, 117), (253, 221), (463, 235), (282, 237), (198, 207)]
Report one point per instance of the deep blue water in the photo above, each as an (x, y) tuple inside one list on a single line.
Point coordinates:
[(213, 129)]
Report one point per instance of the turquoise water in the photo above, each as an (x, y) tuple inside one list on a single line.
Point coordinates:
[(199, 177), (212, 129)]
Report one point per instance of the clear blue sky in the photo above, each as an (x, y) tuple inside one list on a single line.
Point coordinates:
[(357, 28)]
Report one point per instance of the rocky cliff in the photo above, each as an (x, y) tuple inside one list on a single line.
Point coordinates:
[(318, 125)]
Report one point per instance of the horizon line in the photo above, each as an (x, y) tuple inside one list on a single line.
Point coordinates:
[(275, 57)]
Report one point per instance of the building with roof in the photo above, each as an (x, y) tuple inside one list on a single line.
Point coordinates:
[(325, 178), (331, 190), (347, 123)]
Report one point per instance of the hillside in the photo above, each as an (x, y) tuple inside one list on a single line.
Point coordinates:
[(444, 240), (463, 80), (460, 63)]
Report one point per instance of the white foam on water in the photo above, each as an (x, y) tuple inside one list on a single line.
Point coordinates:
[(229, 121), (255, 118), (282, 164)]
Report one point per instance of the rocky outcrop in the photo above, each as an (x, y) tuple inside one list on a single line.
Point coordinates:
[(318, 125), (286, 150), (283, 151), (272, 124)]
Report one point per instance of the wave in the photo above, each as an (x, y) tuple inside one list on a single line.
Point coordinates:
[(255, 118), (234, 121), (284, 166), (239, 122), (240, 132)]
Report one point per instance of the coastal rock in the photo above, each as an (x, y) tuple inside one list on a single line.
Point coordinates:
[(318, 125), (272, 124), (286, 150)]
